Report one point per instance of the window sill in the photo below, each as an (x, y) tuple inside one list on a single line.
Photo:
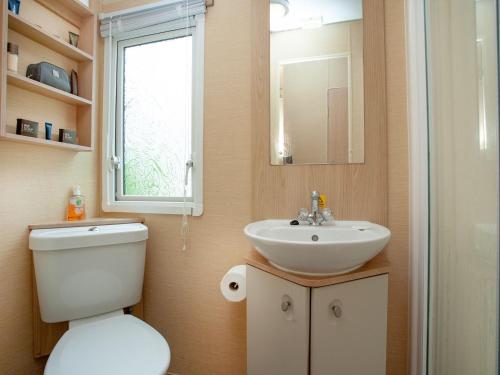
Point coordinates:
[(147, 207)]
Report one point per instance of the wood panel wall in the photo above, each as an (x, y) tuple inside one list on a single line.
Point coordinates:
[(398, 188), (376, 190), (354, 191)]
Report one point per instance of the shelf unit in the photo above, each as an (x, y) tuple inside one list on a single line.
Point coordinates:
[(41, 31)]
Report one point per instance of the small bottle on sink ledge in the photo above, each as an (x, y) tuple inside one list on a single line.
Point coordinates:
[(76, 205)]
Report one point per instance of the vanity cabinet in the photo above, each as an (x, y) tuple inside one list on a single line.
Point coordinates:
[(338, 329)]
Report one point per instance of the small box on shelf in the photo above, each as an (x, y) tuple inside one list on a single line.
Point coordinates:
[(27, 128), (67, 136)]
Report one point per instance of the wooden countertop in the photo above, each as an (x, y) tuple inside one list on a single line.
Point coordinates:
[(88, 222), (377, 266)]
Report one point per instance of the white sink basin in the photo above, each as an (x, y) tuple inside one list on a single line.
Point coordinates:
[(317, 250)]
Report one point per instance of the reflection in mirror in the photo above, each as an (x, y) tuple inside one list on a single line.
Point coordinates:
[(316, 90)]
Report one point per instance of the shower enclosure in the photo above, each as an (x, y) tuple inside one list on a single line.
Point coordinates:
[(460, 257)]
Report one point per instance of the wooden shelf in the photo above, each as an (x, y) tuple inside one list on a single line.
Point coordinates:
[(44, 142), (36, 33), (73, 5), (34, 28), (42, 89)]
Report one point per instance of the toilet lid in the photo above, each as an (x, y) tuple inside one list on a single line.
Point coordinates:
[(121, 345)]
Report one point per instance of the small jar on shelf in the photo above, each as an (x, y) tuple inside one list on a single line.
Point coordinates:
[(12, 57)]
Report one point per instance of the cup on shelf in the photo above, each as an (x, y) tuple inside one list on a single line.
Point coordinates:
[(14, 6), (73, 39)]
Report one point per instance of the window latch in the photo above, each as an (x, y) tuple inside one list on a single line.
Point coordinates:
[(189, 165), (115, 162)]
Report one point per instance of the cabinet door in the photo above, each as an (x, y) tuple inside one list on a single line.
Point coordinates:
[(277, 325), (349, 328)]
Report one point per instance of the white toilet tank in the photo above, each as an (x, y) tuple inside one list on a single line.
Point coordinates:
[(86, 271)]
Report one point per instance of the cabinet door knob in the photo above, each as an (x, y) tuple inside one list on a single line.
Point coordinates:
[(285, 305), (337, 311)]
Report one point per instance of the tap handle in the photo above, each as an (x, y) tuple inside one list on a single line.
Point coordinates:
[(303, 214), (327, 215)]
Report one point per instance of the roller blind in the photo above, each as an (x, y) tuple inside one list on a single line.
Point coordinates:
[(150, 15)]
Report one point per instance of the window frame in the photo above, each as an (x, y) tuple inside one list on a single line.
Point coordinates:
[(157, 205)]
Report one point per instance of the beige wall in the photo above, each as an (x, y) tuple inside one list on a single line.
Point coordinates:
[(182, 300), (206, 333), (35, 185)]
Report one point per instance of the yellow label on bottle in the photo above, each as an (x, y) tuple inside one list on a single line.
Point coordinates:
[(322, 201)]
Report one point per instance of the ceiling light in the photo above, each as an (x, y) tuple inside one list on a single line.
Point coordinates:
[(278, 9)]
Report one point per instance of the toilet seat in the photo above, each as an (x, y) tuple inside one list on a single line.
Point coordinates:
[(122, 345)]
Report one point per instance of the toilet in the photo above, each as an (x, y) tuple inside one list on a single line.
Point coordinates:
[(87, 276)]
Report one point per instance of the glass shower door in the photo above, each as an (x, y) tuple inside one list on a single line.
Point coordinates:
[(462, 46)]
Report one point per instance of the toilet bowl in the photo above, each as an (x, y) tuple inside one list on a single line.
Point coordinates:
[(87, 276)]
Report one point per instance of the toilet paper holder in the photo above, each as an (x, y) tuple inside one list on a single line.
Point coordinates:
[(233, 284)]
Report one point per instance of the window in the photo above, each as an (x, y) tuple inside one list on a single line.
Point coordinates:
[(152, 138)]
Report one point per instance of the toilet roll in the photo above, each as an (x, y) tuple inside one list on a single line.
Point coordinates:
[(234, 284)]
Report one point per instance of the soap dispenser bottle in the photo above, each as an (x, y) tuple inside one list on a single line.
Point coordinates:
[(76, 205)]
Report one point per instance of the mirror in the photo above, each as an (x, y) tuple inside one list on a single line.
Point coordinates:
[(316, 82)]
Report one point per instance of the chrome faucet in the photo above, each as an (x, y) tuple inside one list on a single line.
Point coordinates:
[(317, 216)]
